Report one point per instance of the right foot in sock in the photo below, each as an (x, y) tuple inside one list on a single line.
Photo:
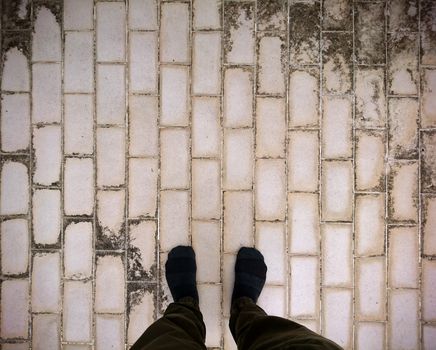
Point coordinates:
[(250, 274)]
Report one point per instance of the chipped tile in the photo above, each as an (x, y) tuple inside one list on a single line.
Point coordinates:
[(78, 250), (14, 304), (15, 122), (46, 216), (47, 155), (271, 65), (46, 282), (206, 133), (14, 247)]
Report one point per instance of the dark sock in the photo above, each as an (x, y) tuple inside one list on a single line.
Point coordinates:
[(180, 270), (250, 274)]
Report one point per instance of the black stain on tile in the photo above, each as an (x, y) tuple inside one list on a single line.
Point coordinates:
[(271, 14), (19, 39), (16, 14), (55, 6), (428, 33), (428, 161), (402, 15), (135, 293), (106, 239), (337, 15)]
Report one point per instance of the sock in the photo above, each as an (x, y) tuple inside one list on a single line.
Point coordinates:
[(250, 274), (180, 270)]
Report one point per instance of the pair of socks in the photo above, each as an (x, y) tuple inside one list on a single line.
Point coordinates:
[(180, 272)]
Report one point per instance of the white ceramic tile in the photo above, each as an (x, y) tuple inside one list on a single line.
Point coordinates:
[(77, 311), (273, 300), (337, 190), (110, 156), (206, 65), (111, 31), (206, 133), (15, 304), (229, 342), (206, 193), (143, 129), (46, 92), (142, 238), (78, 250), (428, 290), (79, 62), (271, 15), (270, 241), (110, 213), (174, 95), (109, 284), (46, 216), (209, 302), (238, 159), (78, 124), (15, 122), (270, 127), (271, 69), (46, 38), (14, 246), (46, 282), (14, 192), (238, 97), (78, 14), (17, 346), (47, 155), (143, 66), (207, 14), (303, 160), (428, 336), (428, 104), (270, 189), (337, 122), (143, 175), (174, 219), (46, 331), (140, 316), (303, 221), (206, 241), (303, 98), (238, 220), (403, 257), (79, 186), (111, 97), (370, 289), (174, 32), (229, 261), (337, 270), (304, 286), (174, 148), (15, 75), (143, 14), (429, 225), (109, 332), (370, 335)]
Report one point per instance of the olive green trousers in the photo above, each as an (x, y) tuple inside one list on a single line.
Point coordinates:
[(182, 327)]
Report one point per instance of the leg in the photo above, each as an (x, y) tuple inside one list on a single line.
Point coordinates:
[(181, 327)]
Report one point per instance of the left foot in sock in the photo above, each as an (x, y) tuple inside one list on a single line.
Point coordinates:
[(180, 271)]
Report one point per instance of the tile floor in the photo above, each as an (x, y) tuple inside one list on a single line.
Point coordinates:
[(304, 128)]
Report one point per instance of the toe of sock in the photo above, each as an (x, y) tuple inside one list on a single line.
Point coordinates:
[(182, 251)]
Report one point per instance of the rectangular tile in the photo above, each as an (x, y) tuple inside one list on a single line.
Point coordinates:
[(143, 180), (270, 127), (337, 259), (79, 62), (370, 335), (46, 92), (46, 216), (174, 219), (206, 193), (174, 96), (304, 287), (46, 332), (403, 257), (14, 246), (303, 160), (15, 122), (428, 166), (111, 31), (174, 148), (371, 289), (270, 189), (303, 221), (428, 220), (109, 332), (141, 301), (428, 292), (304, 97), (206, 133), (46, 282), (403, 15), (238, 220), (273, 300), (271, 63), (428, 96), (46, 144), (141, 253), (110, 156), (207, 235), (206, 14), (143, 15), (14, 194), (15, 304), (337, 190), (271, 15), (111, 99), (337, 15), (228, 283), (79, 186), (239, 33), (206, 65), (174, 32), (209, 294), (428, 336), (46, 36), (78, 14), (78, 250), (143, 62), (143, 128), (238, 97), (428, 49), (337, 120), (78, 124)]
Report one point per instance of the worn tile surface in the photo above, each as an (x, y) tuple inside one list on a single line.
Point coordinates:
[(304, 128)]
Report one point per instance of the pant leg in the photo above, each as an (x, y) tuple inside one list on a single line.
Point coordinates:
[(181, 327), (253, 329)]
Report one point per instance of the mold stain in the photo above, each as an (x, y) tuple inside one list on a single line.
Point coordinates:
[(271, 14), (235, 14), (107, 239)]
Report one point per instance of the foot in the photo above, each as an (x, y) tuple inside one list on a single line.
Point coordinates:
[(180, 270), (250, 274)]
